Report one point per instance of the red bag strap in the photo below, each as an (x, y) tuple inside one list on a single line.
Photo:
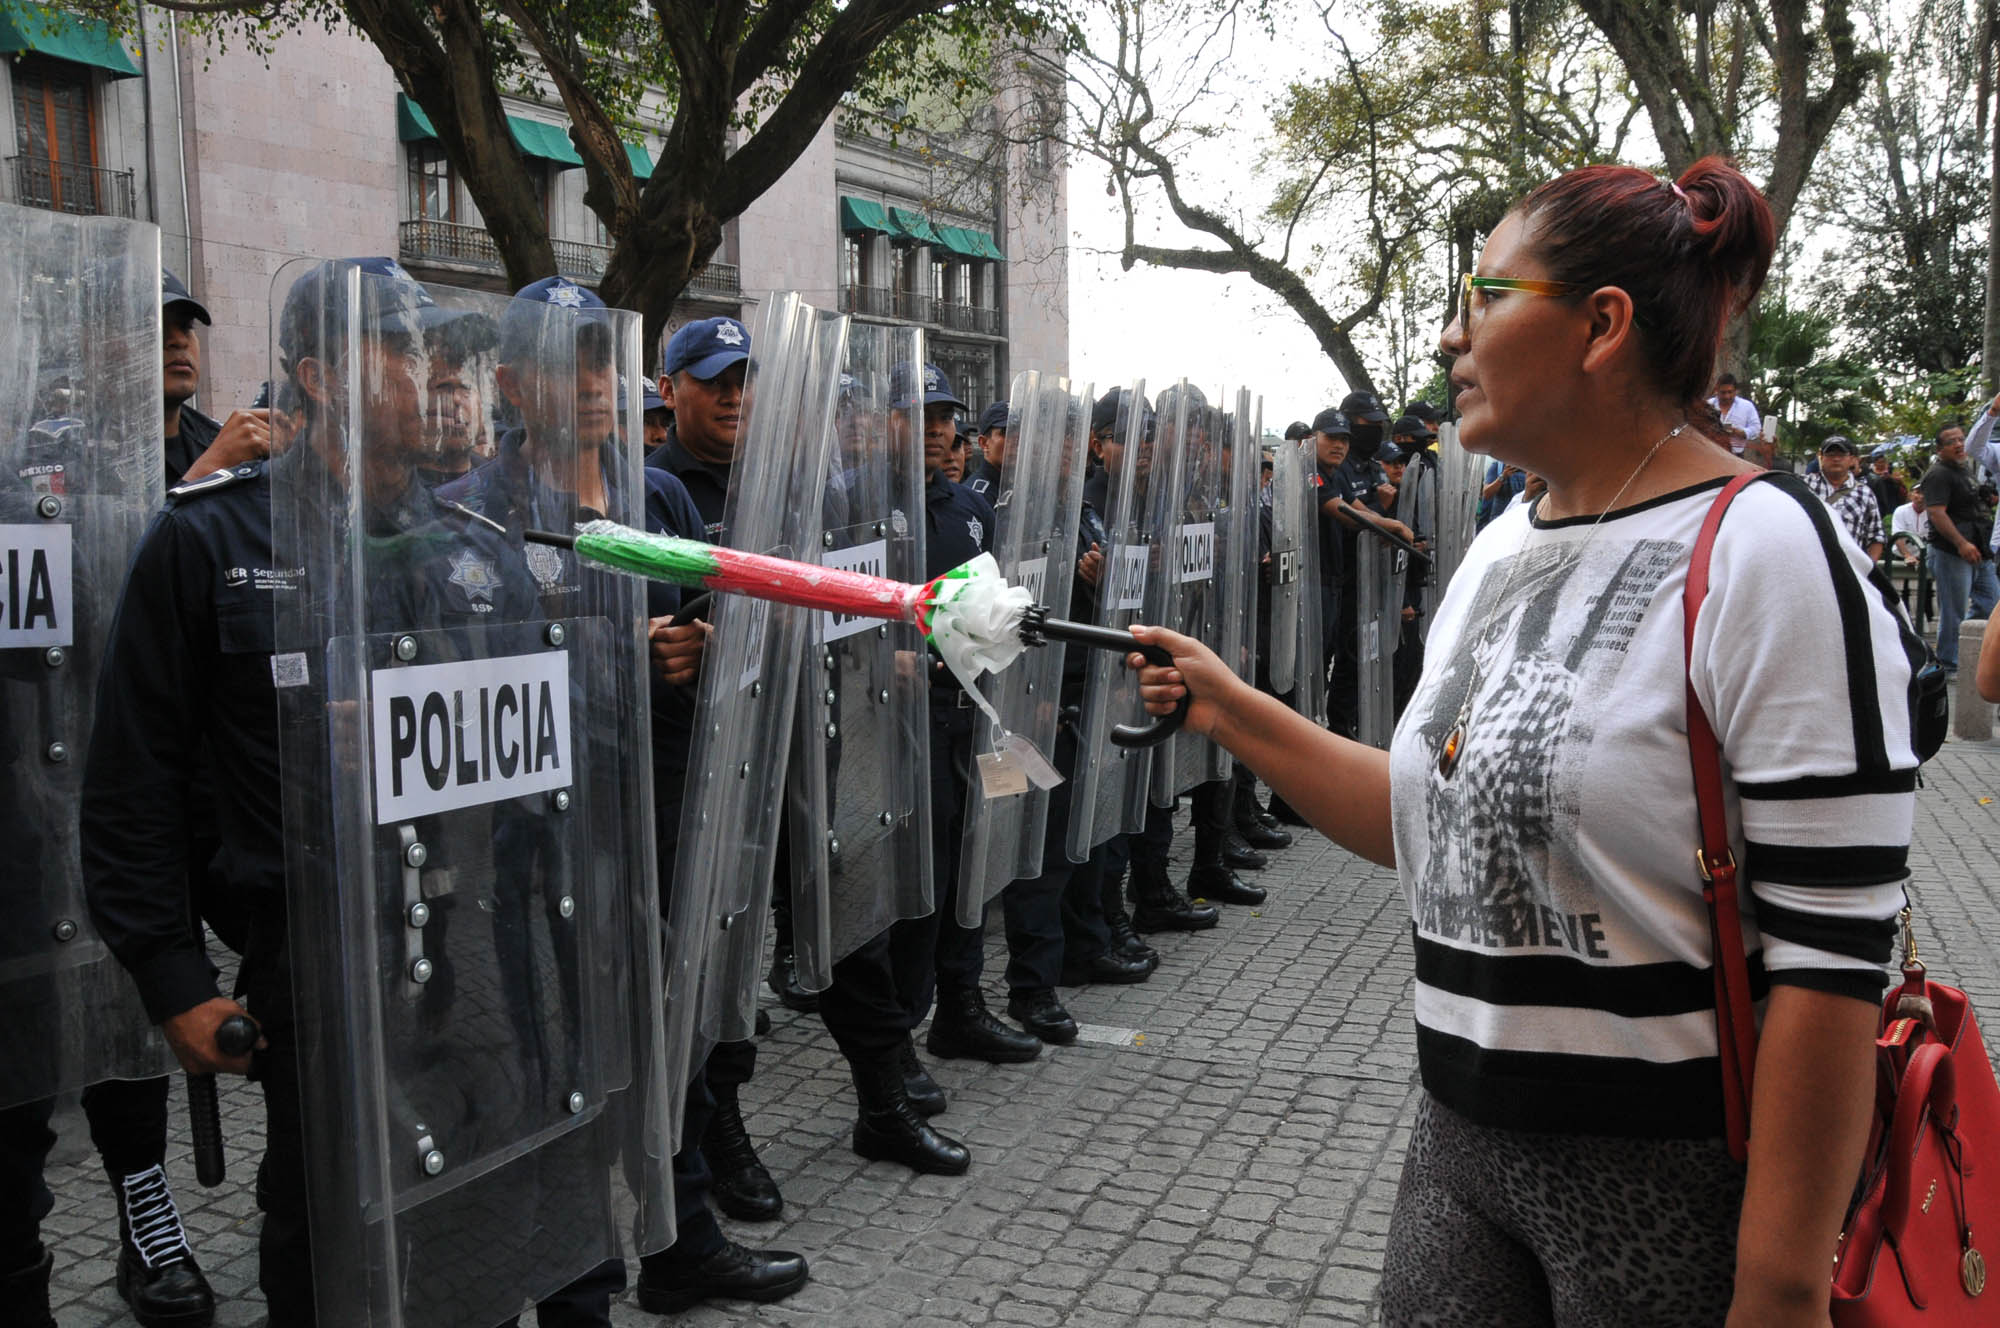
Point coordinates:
[(1735, 1021)]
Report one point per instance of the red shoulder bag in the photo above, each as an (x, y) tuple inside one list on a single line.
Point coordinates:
[(1928, 1197)]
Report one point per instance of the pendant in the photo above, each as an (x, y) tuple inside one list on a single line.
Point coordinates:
[(1448, 755), (1972, 1271)]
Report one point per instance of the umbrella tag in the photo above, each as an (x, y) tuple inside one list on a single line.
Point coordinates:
[(1013, 764)]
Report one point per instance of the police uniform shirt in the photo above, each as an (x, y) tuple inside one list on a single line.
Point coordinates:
[(982, 476), (707, 484), (197, 434), (958, 528)]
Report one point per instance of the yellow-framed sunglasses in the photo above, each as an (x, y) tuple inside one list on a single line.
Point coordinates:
[(1469, 285)]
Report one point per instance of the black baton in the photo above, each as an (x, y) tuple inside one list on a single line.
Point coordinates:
[(237, 1036)]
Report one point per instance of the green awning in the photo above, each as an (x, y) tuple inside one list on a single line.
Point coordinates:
[(863, 216), (969, 243), (987, 246), (63, 36), (539, 138), (642, 161), (535, 138), (907, 225)]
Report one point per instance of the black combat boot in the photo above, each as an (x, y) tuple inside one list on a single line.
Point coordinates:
[(1124, 940), (1038, 1011), (24, 1294), (783, 981), (157, 1274), (1157, 906), (922, 1090), (889, 1129), (1250, 820), (963, 1026), (734, 1272), (1213, 876), (742, 1188)]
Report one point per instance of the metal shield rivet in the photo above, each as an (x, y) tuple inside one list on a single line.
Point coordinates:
[(833, 730), (832, 845), (743, 771), (58, 752), (406, 648), (826, 540), (566, 906), (65, 931), (556, 635), (560, 800), (421, 970), (433, 1162), (882, 696), (416, 855), (888, 818), (575, 1103), (419, 913), (50, 506), (756, 690), (54, 657), (726, 918), (879, 528)]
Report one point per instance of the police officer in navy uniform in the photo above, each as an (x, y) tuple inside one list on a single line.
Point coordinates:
[(982, 469), (192, 660), (1350, 486), (195, 444)]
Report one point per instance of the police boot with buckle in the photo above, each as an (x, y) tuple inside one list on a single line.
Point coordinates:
[(784, 982), (24, 1294), (888, 1128), (918, 1086), (964, 1027), (157, 1274), (1038, 1011), (1124, 940), (1157, 906), (734, 1272), (742, 1187)]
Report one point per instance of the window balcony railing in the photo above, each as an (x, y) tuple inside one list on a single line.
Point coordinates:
[(874, 301), (913, 307), (62, 186), (969, 318), (430, 241)]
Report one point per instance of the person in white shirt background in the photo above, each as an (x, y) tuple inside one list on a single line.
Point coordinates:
[(1981, 447), (1739, 418), (1910, 523)]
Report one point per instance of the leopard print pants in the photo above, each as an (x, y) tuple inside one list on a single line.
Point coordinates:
[(1503, 1229)]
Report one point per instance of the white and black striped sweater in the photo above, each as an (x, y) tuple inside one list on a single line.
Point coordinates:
[(1562, 947)]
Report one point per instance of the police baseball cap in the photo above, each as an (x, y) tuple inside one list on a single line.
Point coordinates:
[(706, 347), (1837, 444), (649, 396), (1332, 423), (1411, 426), (173, 292), (317, 308), (1297, 430), (994, 417), (1363, 406), (1110, 410), (937, 388), (528, 314), (1424, 411)]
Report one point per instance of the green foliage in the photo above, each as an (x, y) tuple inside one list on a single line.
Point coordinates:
[(1793, 369)]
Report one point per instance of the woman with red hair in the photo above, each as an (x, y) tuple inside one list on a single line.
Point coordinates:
[(1568, 1163)]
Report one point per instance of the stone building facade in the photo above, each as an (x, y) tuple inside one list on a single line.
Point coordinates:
[(247, 160)]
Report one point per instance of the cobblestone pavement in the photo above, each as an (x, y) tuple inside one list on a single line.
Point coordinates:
[(1221, 1147)]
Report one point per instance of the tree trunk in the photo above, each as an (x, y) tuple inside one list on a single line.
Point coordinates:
[(1989, 356)]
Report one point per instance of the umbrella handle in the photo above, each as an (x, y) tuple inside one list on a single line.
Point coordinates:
[(692, 609), (1037, 628)]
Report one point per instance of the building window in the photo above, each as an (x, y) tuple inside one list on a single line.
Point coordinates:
[(55, 133), (433, 189), (940, 281), (854, 260), (964, 274)]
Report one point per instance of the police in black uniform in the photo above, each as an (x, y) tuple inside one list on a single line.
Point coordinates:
[(195, 444), (989, 453)]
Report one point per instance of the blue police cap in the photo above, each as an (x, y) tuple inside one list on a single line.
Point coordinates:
[(527, 316), (1332, 423), (937, 388), (650, 398), (706, 347), (316, 308), (173, 292), (995, 416)]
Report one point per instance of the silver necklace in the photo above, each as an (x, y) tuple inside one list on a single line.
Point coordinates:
[(1454, 741)]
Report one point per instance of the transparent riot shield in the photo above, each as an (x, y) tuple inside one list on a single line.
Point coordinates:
[(1204, 568), (1458, 483), (1417, 508), (1238, 549), (468, 825), (860, 827), (1038, 500), (1378, 584), (734, 802), (1315, 648), (1111, 781), (1285, 516), (80, 474)]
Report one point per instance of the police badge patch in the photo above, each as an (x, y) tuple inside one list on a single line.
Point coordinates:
[(566, 295), (728, 333), (475, 575), (546, 563), (978, 529)]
